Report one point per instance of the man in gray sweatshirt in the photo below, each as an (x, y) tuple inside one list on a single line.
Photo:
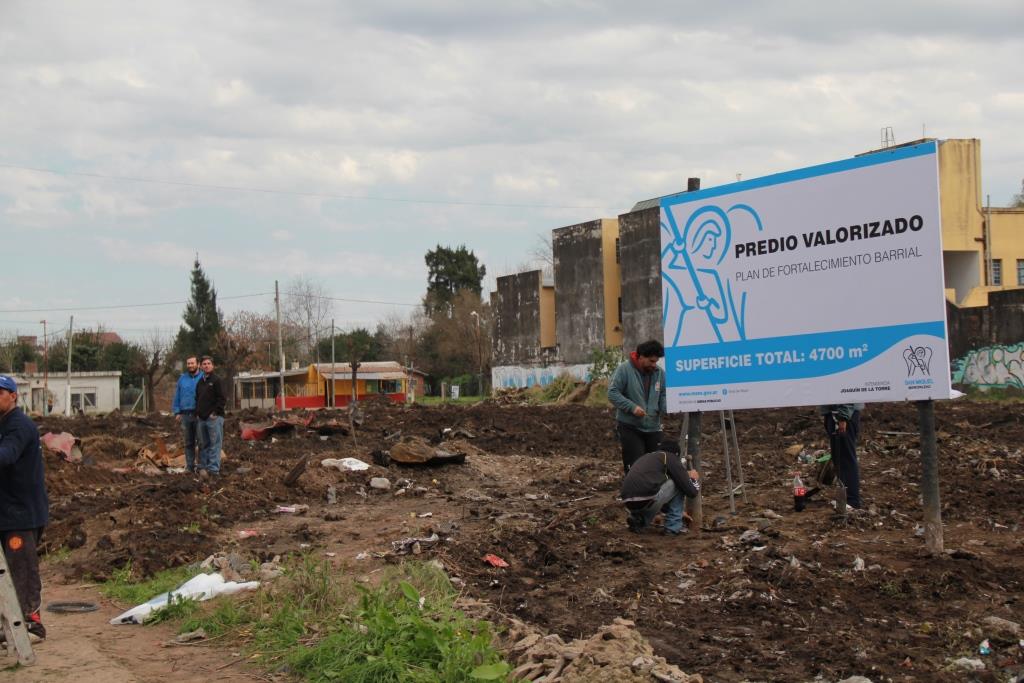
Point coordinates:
[(637, 390)]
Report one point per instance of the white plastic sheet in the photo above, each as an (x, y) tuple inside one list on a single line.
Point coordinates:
[(345, 464), (201, 587)]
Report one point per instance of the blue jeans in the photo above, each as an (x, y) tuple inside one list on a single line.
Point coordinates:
[(671, 499), (188, 431), (211, 433)]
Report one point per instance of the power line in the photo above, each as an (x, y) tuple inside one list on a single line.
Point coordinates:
[(294, 193), (73, 309), (178, 303)]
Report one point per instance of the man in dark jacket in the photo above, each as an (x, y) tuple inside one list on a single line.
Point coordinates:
[(184, 407), (657, 480), (24, 506), (842, 423), (637, 390), (210, 403)]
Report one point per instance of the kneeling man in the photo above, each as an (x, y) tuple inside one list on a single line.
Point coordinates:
[(657, 480)]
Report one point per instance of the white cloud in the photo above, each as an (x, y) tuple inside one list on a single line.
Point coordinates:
[(281, 235)]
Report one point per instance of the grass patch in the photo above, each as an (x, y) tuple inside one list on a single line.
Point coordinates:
[(560, 387), (59, 555), (403, 630), (598, 395), (437, 400), (126, 588)]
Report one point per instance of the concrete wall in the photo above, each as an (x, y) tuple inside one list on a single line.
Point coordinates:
[(1000, 323), (997, 366), (960, 193), (640, 265), (579, 283), (516, 307), (519, 377)]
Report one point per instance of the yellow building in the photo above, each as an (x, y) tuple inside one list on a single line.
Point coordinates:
[(982, 246), (310, 387)]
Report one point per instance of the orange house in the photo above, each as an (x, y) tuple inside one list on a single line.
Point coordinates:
[(310, 387)]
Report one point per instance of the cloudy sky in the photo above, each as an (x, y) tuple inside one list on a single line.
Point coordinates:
[(342, 140)]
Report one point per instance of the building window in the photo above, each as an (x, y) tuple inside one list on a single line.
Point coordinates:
[(997, 272), (618, 251), (620, 310), (84, 400), (1020, 271), (390, 386)]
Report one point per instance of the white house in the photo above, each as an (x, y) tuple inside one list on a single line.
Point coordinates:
[(91, 392)]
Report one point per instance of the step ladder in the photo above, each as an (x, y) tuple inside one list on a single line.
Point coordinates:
[(12, 623)]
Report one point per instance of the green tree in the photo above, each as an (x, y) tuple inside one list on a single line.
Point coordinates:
[(203, 320), (1018, 199), (14, 353), (126, 357), (450, 271), (85, 353), (368, 346)]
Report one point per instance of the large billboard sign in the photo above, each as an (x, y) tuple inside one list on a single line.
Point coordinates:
[(816, 286)]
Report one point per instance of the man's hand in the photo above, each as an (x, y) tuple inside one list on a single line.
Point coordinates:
[(694, 474), (841, 426), (639, 412), (177, 417)]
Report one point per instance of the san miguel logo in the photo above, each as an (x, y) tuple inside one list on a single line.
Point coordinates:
[(918, 359)]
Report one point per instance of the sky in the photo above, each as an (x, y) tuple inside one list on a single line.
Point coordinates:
[(339, 141)]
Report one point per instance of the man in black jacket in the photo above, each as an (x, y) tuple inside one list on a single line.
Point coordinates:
[(657, 480), (210, 402), (24, 506)]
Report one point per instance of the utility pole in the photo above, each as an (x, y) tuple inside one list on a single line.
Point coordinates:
[(332, 363), (280, 344), (479, 354), (67, 393), (46, 371)]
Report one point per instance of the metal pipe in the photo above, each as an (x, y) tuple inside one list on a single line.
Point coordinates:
[(930, 477)]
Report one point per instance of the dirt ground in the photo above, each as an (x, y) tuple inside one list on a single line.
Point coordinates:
[(804, 598)]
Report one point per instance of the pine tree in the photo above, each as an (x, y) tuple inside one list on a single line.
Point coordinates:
[(450, 271), (203, 320)]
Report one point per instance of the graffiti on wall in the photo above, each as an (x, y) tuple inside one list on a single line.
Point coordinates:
[(992, 366), (517, 377)]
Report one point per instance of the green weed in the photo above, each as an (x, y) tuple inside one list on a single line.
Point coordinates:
[(405, 629), (560, 387), (123, 587), (58, 556), (177, 609)]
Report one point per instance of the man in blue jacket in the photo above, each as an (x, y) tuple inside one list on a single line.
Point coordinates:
[(184, 407), (24, 506), (637, 390)]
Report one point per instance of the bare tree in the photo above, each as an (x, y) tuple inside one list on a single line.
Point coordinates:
[(153, 362), (542, 254), (403, 334), (8, 350), (307, 305)]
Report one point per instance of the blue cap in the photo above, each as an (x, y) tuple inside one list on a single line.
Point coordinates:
[(9, 384)]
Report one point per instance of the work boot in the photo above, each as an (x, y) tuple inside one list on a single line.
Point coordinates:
[(204, 474), (35, 628), (635, 524)]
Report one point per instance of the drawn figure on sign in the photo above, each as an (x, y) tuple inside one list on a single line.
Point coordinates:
[(918, 358), (698, 305)]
